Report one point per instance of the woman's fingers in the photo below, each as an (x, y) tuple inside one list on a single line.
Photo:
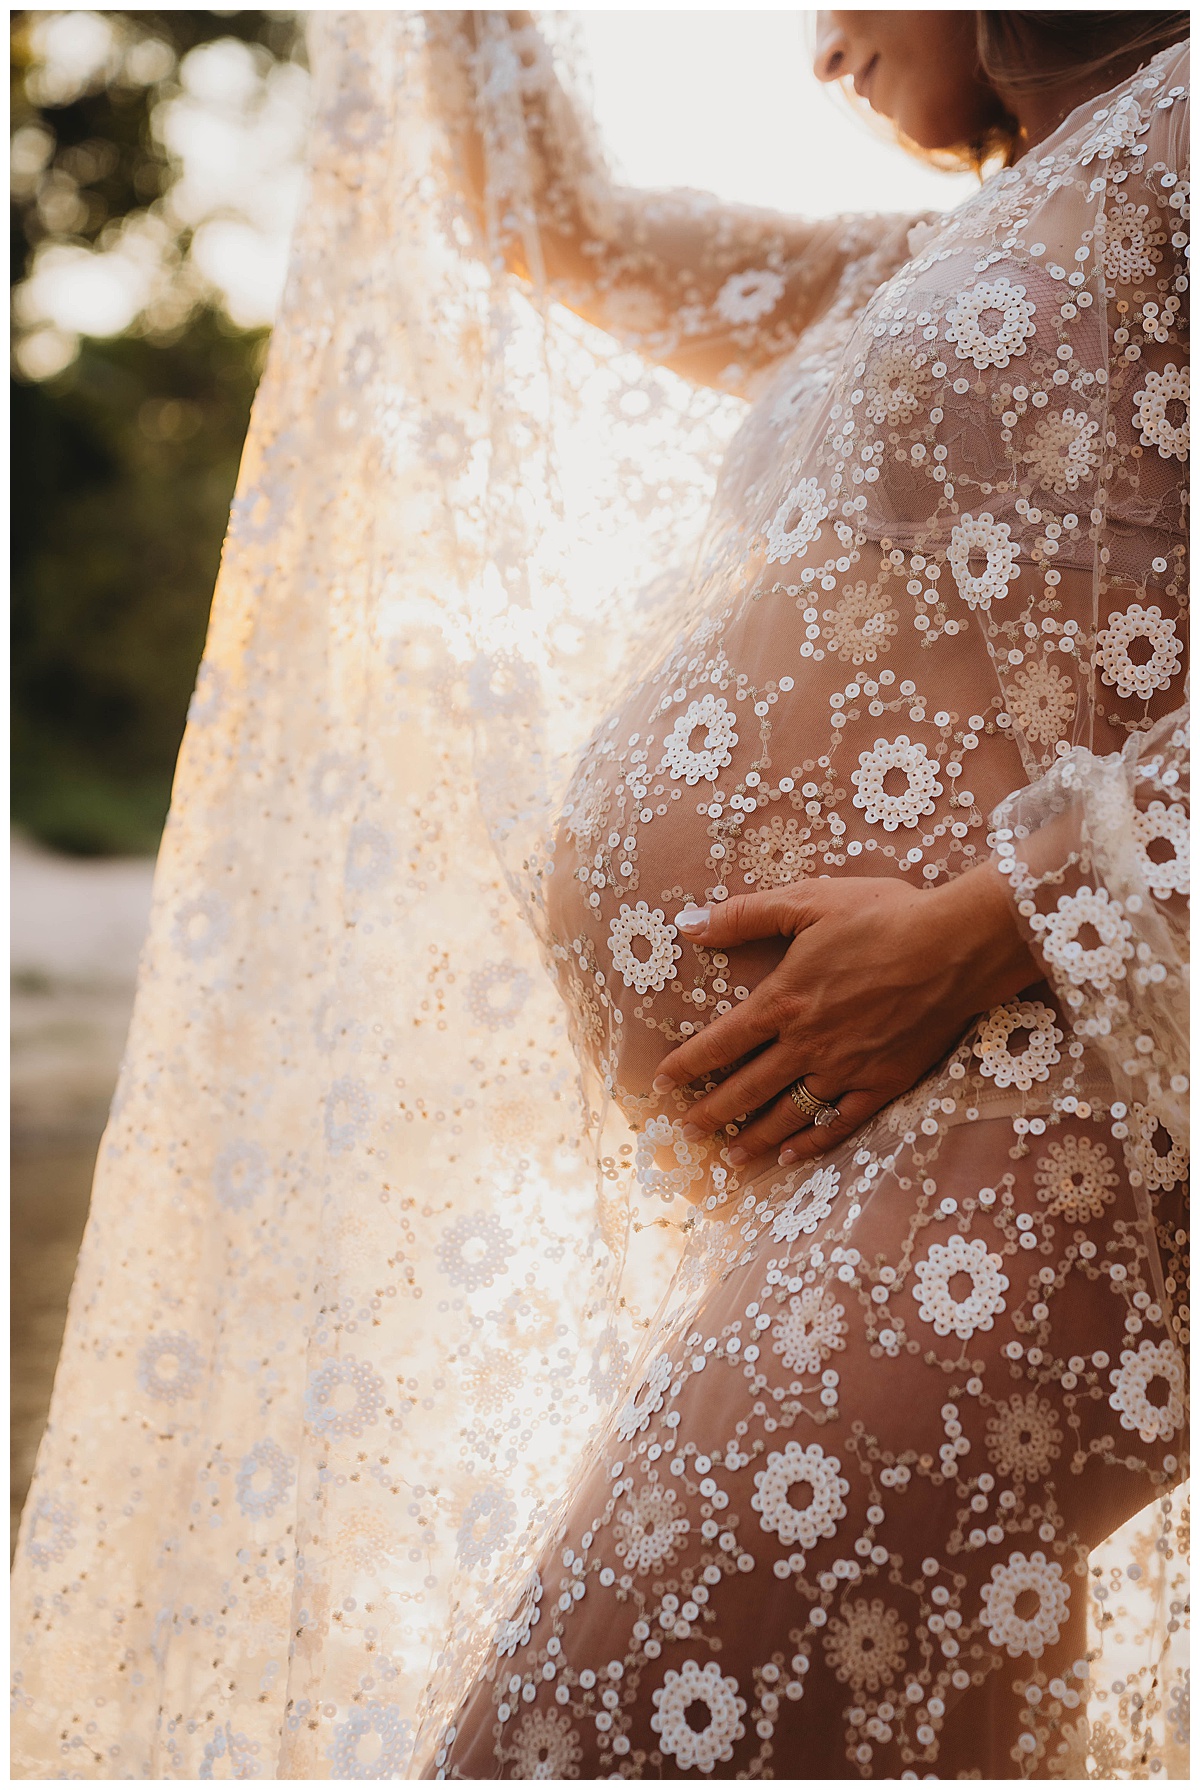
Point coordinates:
[(722, 1042), (854, 1109), (744, 1091), (782, 1120), (772, 913)]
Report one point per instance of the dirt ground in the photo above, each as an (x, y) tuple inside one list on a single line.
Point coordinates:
[(77, 928)]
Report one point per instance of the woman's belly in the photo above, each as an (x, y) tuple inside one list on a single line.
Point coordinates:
[(748, 759)]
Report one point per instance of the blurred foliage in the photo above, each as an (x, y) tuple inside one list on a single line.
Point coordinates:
[(124, 462)]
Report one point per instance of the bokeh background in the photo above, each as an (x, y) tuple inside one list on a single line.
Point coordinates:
[(156, 168)]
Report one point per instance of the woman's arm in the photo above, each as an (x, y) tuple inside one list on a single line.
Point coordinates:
[(1095, 859), (713, 290)]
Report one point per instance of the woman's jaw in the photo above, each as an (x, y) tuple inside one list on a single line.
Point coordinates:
[(919, 70)]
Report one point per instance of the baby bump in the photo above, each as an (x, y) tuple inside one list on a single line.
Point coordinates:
[(742, 764)]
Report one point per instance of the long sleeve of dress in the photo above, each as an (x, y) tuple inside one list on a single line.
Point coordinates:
[(1096, 853), (717, 291)]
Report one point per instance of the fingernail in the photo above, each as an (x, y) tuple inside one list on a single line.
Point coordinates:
[(691, 1133), (737, 1156), (692, 918), (786, 1157), (662, 1084)]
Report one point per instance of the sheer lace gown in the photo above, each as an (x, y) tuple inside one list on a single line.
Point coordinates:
[(841, 1524)]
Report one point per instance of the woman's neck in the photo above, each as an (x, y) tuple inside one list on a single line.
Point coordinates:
[(1040, 112)]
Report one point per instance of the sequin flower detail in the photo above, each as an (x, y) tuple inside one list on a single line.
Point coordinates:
[(641, 1405), (474, 1250), (1131, 253), (990, 323), (1041, 701), (818, 1518), (1027, 1634), (809, 1330), (380, 1724), (897, 385), (796, 522), (657, 968), (776, 854), (1156, 822), (983, 559), (1168, 433), (745, 297), (810, 1203), (239, 1175), (1023, 1437), (170, 1367), (343, 1398), (497, 992), (691, 1746), (861, 625), (487, 1523), (706, 762), (1157, 1365), (1100, 964), (1158, 1169), (1138, 677), (545, 1746), (866, 1644), (264, 1479), (944, 1263), (1063, 454), (584, 816), (905, 808), (650, 1527), (1018, 1069), (1075, 1179), (49, 1531)]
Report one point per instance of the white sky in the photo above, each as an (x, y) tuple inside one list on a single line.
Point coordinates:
[(727, 101), (723, 101)]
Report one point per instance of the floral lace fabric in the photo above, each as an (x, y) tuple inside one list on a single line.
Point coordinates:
[(412, 1347)]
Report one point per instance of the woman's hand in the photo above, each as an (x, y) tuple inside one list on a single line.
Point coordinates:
[(880, 981)]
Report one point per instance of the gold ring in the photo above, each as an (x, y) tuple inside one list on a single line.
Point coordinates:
[(808, 1103), (827, 1115)]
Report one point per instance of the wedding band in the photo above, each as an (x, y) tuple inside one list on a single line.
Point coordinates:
[(808, 1103)]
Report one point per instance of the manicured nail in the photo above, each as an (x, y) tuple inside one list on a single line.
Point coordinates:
[(737, 1156), (663, 1084), (691, 1133), (692, 918), (786, 1157)]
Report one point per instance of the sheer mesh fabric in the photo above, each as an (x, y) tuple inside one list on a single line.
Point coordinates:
[(429, 1406)]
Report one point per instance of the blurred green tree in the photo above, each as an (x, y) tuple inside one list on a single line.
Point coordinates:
[(125, 441)]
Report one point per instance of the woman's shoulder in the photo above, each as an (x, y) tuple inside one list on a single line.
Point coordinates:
[(1176, 65), (1118, 121), (1157, 94)]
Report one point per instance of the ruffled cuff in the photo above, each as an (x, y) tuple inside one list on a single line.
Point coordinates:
[(1096, 855)]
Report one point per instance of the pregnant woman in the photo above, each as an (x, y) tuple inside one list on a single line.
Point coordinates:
[(784, 624), (895, 825)]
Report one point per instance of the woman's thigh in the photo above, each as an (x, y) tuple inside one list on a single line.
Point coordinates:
[(841, 1526)]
